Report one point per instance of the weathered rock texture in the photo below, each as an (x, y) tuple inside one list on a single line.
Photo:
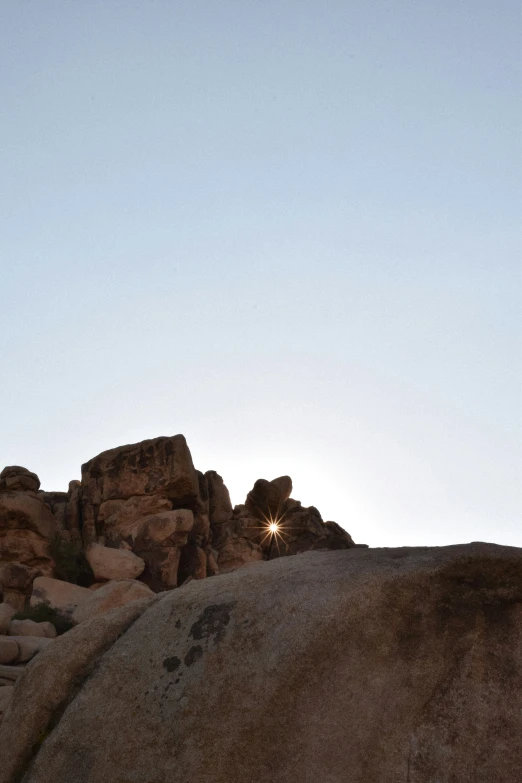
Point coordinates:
[(61, 595), (26, 525), (16, 581), (147, 500), (161, 467), (362, 666)]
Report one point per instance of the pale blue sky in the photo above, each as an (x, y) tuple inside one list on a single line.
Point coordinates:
[(288, 230)]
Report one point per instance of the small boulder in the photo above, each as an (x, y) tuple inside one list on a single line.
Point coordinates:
[(266, 499), (63, 596), (108, 563), (9, 650), (49, 629), (26, 628), (29, 646), (17, 479), (43, 630), (110, 596), (6, 613)]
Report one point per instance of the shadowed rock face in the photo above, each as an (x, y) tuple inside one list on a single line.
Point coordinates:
[(367, 666), (133, 498), (161, 467)]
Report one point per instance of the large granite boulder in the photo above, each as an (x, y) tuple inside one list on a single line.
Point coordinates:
[(26, 525), (17, 479), (117, 519), (158, 540), (160, 467), (108, 563), (60, 595), (359, 665)]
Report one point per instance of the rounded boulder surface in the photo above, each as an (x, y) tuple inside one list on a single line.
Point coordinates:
[(108, 563), (26, 628), (17, 479), (357, 665), (29, 646), (9, 650), (110, 596), (63, 596)]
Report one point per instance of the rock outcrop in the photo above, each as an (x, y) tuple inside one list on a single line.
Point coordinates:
[(26, 521), (359, 665), (143, 511), (161, 468), (16, 582)]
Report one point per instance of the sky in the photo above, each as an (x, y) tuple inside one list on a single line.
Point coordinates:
[(288, 230)]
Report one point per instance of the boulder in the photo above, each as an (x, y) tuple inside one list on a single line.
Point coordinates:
[(220, 507), (63, 596), (284, 485), (158, 540), (49, 629), (44, 630), (22, 511), (29, 646), (108, 563), (117, 518), (16, 581), (52, 678), (111, 596), (27, 628), (162, 466), (236, 551), (358, 665), (6, 613), (17, 479), (9, 650), (266, 499), (26, 524)]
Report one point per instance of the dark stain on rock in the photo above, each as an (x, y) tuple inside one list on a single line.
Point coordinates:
[(171, 664), (178, 624), (193, 655), (212, 622)]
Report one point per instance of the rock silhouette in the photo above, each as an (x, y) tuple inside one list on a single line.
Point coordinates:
[(148, 499)]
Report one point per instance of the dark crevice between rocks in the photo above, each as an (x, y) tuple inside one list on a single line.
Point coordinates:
[(23, 773)]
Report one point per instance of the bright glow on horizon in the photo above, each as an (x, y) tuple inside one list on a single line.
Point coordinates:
[(288, 231)]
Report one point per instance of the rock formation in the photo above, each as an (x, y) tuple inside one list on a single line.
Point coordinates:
[(360, 665), (143, 511), (26, 521)]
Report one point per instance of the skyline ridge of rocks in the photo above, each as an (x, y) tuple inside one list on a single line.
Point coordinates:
[(144, 511)]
